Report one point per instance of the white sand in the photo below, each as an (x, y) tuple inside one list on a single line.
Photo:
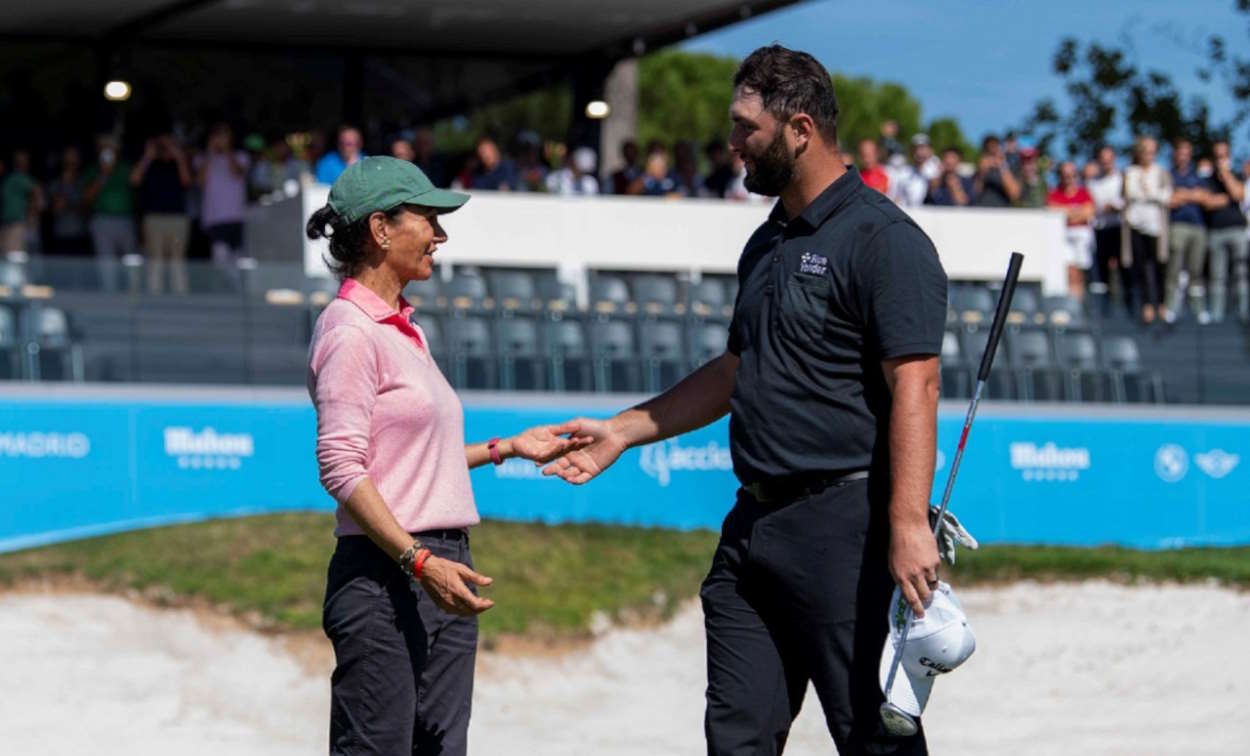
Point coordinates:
[(1092, 669)]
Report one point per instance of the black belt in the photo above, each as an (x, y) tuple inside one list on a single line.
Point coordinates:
[(791, 487), (445, 534)]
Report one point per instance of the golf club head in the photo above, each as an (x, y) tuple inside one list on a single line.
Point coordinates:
[(897, 722)]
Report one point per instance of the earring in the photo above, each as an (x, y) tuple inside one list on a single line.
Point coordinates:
[(386, 243)]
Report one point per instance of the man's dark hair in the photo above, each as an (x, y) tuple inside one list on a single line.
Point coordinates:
[(791, 82), (954, 149)]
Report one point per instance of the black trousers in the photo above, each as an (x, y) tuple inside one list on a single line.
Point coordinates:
[(403, 675), (798, 593)]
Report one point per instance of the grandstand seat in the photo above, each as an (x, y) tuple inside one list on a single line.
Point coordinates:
[(615, 358), (656, 295), (51, 351), (558, 297), (955, 376), (1084, 379), (662, 349), (513, 290), (471, 354), (568, 355), (467, 292), (708, 340), (10, 346), (520, 360), (427, 295), (1130, 382), (973, 303), (706, 298), (12, 275), (1026, 307), (1000, 384), (1064, 312), (1031, 358), (434, 340), (609, 295)]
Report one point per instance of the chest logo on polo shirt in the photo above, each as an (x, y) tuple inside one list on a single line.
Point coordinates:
[(816, 265)]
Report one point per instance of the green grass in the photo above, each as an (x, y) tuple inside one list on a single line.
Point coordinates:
[(549, 581)]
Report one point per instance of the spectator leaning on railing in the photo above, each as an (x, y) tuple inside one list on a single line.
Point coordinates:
[(995, 184), (951, 189)]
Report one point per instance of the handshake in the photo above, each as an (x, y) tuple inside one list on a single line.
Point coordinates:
[(576, 450)]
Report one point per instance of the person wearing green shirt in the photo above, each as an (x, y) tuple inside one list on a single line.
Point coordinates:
[(1032, 184), (112, 222), (20, 203)]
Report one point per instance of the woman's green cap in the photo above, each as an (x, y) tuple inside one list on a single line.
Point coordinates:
[(378, 184)]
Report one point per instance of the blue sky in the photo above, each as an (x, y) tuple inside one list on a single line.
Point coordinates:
[(987, 62)]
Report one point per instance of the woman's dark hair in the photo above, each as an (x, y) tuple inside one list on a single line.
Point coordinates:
[(349, 242), (791, 82)]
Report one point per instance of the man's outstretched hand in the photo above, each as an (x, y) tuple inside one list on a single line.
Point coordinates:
[(580, 465)]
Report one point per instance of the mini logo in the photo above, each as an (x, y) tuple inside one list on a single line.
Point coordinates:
[(1217, 463), (1171, 463), (1048, 462), (661, 460), (813, 264), (208, 449), (42, 445)]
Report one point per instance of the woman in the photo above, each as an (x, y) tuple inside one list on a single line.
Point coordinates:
[(401, 605), (1078, 206), (1147, 190)]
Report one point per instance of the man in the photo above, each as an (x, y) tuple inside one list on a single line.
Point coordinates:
[(1187, 235), (162, 178), (830, 377), (494, 171), (913, 181), (722, 174), (1033, 190), (870, 170), (950, 189), (628, 178), (350, 145), (222, 177), (21, 200), (995, 184), (112, 223), (1107, 192), (1226, 224)]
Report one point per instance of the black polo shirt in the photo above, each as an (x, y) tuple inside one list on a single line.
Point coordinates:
[(822, 300)]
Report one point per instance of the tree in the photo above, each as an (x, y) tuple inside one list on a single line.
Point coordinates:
[(1110, 92)]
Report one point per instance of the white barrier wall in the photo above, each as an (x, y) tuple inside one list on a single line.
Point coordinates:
[(573, 234)]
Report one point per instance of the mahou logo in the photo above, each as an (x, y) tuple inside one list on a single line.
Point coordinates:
[(207, 449), (661, 460), (1049, 462)]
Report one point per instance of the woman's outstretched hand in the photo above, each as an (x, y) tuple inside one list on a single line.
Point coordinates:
[(544, 443), (588, 460)]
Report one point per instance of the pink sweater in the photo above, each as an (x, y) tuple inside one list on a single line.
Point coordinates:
[(385, 412)]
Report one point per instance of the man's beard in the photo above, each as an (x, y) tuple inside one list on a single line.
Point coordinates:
[(773, 170)]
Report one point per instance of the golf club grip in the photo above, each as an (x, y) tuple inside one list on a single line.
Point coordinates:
[(1000, 314)]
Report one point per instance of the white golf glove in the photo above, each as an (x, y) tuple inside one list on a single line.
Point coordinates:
[(950, 535)]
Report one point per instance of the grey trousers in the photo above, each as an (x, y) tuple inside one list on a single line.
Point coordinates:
[(1229, 244), (1187, 250), (114, 238), (403, 674)]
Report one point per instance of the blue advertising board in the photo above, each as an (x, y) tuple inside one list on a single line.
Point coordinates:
[(75, 463)]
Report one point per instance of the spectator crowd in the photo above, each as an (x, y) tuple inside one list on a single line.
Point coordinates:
[(1160, 241)]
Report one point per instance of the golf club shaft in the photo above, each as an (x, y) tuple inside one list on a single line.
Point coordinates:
[(983, 374)]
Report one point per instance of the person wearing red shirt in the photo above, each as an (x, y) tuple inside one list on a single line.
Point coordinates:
[(1078, 205), (870, 170)]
